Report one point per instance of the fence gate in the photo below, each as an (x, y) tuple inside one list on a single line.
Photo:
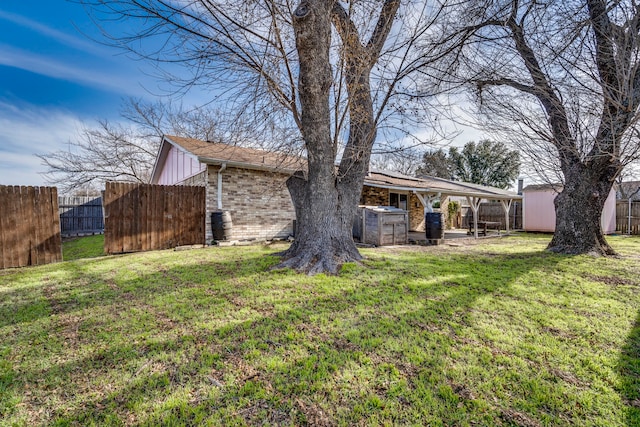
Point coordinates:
[(143, 217), (80, 215), (29, 226), (628, 222)]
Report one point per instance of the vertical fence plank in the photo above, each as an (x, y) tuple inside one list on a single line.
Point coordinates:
[(179, 215), (14, 214), (109, 218), (80, 215), (45, 216), (4, 214), (20, 239), (40, 219), (163, 218), (144, 212), (55, 234), (141, 217), (29, 226), (622, 217), (31, 216)]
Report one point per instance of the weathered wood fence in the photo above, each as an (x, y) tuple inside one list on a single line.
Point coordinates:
[(622, 217), (142, 217), (492, 211), (80, 215), (29, 226)]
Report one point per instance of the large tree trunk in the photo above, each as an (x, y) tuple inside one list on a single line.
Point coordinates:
[(326, 200), (578, 214), (324, 210), (324, 223)]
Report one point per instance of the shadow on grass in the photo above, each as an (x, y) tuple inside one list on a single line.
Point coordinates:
[(81, 289), (629, 369), (374, 348)]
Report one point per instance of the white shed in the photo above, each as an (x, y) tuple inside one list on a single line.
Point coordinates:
[(540, 212)]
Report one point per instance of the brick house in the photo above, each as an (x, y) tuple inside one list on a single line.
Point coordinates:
[(250, 184)]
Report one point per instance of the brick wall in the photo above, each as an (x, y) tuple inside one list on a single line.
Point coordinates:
[(259, 203), (374, 196)]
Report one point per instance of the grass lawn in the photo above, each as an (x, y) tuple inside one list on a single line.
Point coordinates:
[(83, 247), (497, 333)]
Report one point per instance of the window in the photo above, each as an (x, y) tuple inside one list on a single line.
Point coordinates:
[(398, 200)]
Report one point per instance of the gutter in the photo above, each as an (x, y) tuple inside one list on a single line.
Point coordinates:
[(245, 165)]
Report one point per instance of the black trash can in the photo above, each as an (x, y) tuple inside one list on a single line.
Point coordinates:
[(221, 225), (433, 225)]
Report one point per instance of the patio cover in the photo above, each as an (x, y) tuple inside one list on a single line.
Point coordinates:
[(427, 188)]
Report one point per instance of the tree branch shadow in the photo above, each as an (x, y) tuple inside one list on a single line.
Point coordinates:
[(629, 371)]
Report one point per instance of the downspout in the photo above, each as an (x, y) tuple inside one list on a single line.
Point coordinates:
[(222, 168)]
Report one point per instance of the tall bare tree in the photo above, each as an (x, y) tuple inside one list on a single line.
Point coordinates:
[(564, 77), (330, 69), (126, 151), (404, 161)]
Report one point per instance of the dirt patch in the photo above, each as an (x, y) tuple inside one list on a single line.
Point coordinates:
[(567, 377), (463, 391), (314, 414), (559, 333), (518, 418), (612, 280)]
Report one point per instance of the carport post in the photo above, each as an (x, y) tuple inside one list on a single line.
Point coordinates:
[(474, 202), (506, 206)]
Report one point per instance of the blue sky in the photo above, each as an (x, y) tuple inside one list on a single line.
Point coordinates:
[(54, 79)]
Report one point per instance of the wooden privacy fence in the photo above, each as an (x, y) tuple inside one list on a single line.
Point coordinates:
[(622, 217), (493, 212), (29, 226), (143, 217), (80, 215)]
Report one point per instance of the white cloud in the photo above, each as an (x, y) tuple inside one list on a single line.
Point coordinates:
[(27, 131), (51, 33), (45, 66)]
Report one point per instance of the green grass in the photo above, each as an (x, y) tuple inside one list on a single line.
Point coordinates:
[(83, 247), (498, 333)]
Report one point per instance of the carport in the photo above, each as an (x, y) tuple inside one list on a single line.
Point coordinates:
[(427, 190)]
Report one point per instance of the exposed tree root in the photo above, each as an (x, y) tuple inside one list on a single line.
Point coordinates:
[(595, 249), (317, 260)]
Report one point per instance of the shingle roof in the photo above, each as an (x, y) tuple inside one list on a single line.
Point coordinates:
[(216, 153), (212, 152), (436, 185)]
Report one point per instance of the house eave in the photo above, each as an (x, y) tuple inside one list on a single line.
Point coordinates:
[(428, 190), (245, 165)]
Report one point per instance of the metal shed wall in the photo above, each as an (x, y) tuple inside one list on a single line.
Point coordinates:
[(540, 213)]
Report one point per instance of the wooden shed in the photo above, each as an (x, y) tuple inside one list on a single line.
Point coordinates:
[(381, 225)]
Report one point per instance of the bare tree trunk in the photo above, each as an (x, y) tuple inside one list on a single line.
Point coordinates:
[(324, 219), (592, 131), (324, 228), (326, 201), (578, 215)]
